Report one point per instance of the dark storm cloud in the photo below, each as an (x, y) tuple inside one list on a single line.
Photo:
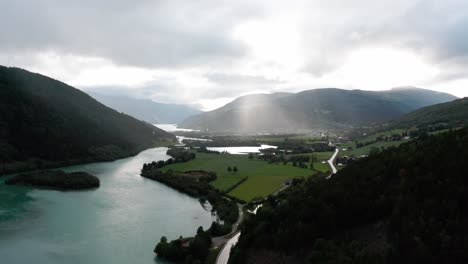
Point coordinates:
[(139, 33)]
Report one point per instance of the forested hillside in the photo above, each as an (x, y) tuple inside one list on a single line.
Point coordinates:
[(402, 205), (46, 123), (454, 113)]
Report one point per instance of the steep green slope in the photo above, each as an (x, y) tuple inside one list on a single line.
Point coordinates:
[(147, 110), (313, 110), (45, 123), (453, 113), (402, 205)]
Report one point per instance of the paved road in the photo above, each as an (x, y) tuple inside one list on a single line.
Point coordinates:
[(330, 162), (223, 256), (219, 241)]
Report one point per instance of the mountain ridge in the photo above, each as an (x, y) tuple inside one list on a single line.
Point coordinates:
[(313, 110), (147, 110)]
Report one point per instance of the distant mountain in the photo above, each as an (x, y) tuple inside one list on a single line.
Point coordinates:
[(451, 114), (46, 123), (313, 110), (148, 110)]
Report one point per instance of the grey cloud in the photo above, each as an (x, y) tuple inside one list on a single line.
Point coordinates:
[(141, 33), (232, 85), (198, 34), (432, 28), (237, 79), (170, 91)]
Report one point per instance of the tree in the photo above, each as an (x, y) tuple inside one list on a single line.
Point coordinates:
[(229, 168), (235, 169), (373, 151), (251, 156), (311, 165), (313, 158), (282, 158), (161, 247)]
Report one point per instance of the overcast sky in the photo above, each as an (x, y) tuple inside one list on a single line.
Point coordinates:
[(206, 53)]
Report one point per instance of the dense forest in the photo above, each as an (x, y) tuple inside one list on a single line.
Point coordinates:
[(401, 205), (46, 123), (56, 179)]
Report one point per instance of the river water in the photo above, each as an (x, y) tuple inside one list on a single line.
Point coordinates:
[(120, 222)]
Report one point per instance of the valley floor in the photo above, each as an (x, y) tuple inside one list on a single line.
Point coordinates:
[(263, 178)]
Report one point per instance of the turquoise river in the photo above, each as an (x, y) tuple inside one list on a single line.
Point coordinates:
[(120, 222)]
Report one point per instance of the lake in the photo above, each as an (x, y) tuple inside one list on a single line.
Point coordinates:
[(241, 150), (172, 128), (231, 150), (120, 222)]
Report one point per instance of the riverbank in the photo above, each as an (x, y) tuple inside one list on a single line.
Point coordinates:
[(196, 184), (105, 154), (56, 179)]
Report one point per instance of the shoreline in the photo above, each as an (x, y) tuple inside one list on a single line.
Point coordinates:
[(25, 166)]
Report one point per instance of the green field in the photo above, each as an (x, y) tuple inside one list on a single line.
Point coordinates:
[(356, 152), (374, 136), (322, 167), (264, 178), (439, 131), (261, 186), (321, 156), (269, 139), (299, 138)]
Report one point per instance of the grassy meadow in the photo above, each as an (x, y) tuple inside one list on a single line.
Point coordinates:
[(356, 152), (263, 178)]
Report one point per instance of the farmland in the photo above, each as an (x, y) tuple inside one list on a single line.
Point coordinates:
[(263, 178)]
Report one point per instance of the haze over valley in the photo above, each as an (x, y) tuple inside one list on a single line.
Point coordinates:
[(318, 110)]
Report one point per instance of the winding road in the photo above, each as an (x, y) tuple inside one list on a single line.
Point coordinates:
[(221, 240), (330, 162), (223, 256)]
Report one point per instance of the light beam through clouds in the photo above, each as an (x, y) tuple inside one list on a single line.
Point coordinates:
[(207, 53)]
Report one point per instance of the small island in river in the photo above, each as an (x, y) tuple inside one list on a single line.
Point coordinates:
[(56, 179)]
